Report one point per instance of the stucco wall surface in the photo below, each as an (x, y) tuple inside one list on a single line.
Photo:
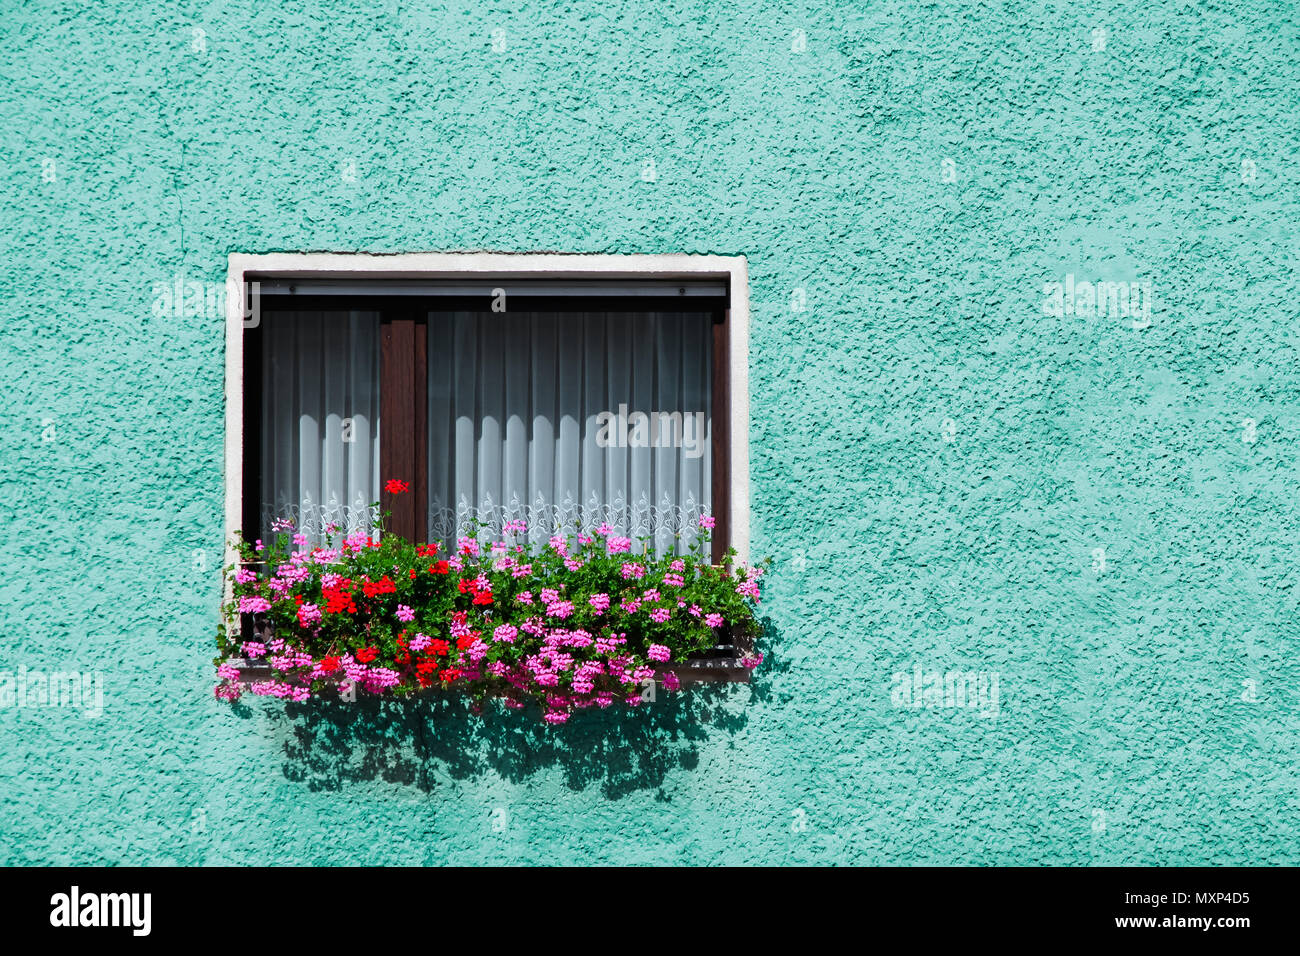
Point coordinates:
[(1100, 510)]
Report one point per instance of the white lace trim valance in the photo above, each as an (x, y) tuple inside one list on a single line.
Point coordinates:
[(661, 523)]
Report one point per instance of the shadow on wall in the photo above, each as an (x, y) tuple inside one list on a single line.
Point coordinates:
[(417, 743)]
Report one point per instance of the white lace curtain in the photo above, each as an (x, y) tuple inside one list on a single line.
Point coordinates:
[(575, 417), (320, 427), (558, 419)]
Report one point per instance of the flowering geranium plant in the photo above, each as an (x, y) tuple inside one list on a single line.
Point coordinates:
[(584, 621)]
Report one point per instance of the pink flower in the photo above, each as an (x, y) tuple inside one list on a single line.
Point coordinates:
[(671, 681), (600, 602), (308, 614), (245, 576), (658, 652), (603, 530), (524, 597), (404, 613), (660, 614), (253, 605), (505, 633), (619, 545), (228, 671), (713, 620), (707, 521), (377, 678)]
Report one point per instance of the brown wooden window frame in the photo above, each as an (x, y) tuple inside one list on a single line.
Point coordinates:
[(403, 401)]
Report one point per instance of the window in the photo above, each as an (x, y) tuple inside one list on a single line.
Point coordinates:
[(557, 389)]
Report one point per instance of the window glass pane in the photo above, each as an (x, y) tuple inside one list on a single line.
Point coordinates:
[(320, 424), (570, 418)]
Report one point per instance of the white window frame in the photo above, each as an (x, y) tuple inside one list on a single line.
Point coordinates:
[(495, 265)]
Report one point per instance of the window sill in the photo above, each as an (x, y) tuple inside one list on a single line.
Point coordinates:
[(711, 669)]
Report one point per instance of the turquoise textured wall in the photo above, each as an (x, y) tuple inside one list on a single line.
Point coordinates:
[(1100, 510)]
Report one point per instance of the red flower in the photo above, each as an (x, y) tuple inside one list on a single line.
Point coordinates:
[(439, 647), (367, 654), (483, 597), (329, 665), (339, 600), (426, 550), (468, 586), (375, 588), (396, 487), (441, 567)]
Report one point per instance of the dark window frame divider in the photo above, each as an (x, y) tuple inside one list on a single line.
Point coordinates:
[(403, 419)]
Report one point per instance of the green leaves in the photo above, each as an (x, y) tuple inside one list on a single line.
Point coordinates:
[(566, 624)]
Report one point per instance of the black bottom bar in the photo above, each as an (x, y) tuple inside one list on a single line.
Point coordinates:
[(965, 907)]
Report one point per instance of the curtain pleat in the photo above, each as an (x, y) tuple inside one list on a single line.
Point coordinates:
[(517, 402), (320, 427)]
